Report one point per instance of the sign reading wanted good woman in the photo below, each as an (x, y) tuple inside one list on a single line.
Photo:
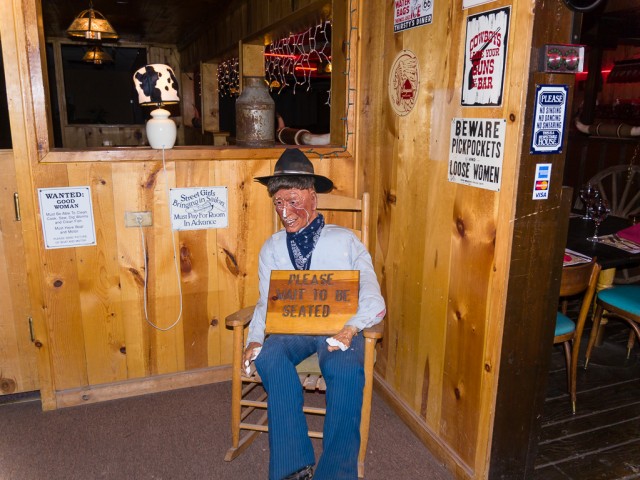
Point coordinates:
[(67, 217), (476, 152)]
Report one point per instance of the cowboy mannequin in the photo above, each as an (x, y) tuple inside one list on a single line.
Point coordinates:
[(305, 243)]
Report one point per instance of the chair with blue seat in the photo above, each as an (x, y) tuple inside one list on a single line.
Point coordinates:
[(619, 302), (577, 280)]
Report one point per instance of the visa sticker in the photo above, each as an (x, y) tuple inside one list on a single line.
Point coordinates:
[(541, 183)]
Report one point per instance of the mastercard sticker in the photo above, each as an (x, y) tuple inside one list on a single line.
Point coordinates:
[(542, 181)]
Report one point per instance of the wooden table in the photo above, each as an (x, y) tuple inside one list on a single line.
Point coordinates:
[(608, 257)]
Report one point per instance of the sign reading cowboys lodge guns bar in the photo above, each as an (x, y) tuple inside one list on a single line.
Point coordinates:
[(485, 55)]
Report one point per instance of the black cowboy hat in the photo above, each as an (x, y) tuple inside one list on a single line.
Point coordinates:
[(295, 163)]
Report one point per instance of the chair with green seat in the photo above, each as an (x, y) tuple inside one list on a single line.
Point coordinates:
[(620, 302), (576, 280)]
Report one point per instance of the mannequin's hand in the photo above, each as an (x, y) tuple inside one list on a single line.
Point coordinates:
[(345, 336), (248, 354)]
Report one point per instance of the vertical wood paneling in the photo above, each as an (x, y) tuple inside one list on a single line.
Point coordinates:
[(472, 253), (439, 87), (437, 241), (18, 22), (239, 245), (242, 19), (378, 172), (62, 300), (210, 110), (166, 342), (19, 368), (99, 281), (442, 249), (194, 256), (128, 195)]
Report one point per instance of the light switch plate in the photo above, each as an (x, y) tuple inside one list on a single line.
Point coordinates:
[(137, 219)]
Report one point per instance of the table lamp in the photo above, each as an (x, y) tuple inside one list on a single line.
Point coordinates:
[(157, 85)]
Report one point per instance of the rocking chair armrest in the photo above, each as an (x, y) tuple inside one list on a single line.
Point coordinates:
[(241, 318), (376, 331)]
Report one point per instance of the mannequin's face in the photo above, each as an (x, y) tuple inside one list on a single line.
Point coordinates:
[(296, 208)]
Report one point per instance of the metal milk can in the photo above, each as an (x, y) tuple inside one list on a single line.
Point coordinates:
[(255, 115)]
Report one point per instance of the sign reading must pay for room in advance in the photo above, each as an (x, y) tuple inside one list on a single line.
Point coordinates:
[(476, 152)]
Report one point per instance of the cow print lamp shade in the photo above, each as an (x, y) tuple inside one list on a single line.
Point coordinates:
[(157, 85)]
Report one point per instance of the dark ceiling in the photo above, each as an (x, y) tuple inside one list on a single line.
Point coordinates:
[(177, 22), (154, 21)]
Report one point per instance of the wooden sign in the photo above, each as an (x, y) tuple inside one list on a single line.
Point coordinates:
[(485, 57), (404, 81), (311, 302)]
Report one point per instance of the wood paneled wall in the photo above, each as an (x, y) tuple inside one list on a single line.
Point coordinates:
[(241, 19), (18, 369), (88, 302), (94, 296), (442, 250)]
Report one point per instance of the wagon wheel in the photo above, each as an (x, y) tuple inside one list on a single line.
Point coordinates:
[(620, 186)]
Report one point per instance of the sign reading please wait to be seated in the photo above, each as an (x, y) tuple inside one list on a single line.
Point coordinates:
[(314, 302)]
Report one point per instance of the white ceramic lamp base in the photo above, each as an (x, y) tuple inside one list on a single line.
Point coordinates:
[(161, 130)]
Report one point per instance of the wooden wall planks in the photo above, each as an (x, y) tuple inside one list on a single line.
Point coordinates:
[(443, 250), (18, 371)]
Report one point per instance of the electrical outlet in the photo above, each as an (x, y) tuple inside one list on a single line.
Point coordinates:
[(137, 219)]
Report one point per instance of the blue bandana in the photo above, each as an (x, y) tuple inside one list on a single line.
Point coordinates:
[(301, 243)]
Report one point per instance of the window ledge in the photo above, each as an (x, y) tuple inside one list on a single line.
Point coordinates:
[(211, 153)]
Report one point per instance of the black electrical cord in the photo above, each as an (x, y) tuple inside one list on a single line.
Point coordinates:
[(583, 6)]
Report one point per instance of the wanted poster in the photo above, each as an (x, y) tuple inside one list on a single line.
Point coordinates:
[(67, 217), (484, 58), (476, 152)]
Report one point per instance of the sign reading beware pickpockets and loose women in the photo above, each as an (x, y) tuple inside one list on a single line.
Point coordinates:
[(67, 217), (476, 152), (485, 55)]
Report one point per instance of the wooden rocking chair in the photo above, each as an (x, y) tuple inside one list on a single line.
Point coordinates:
[(248, 398)]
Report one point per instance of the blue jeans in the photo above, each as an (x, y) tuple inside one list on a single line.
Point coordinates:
[(290, 447)]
